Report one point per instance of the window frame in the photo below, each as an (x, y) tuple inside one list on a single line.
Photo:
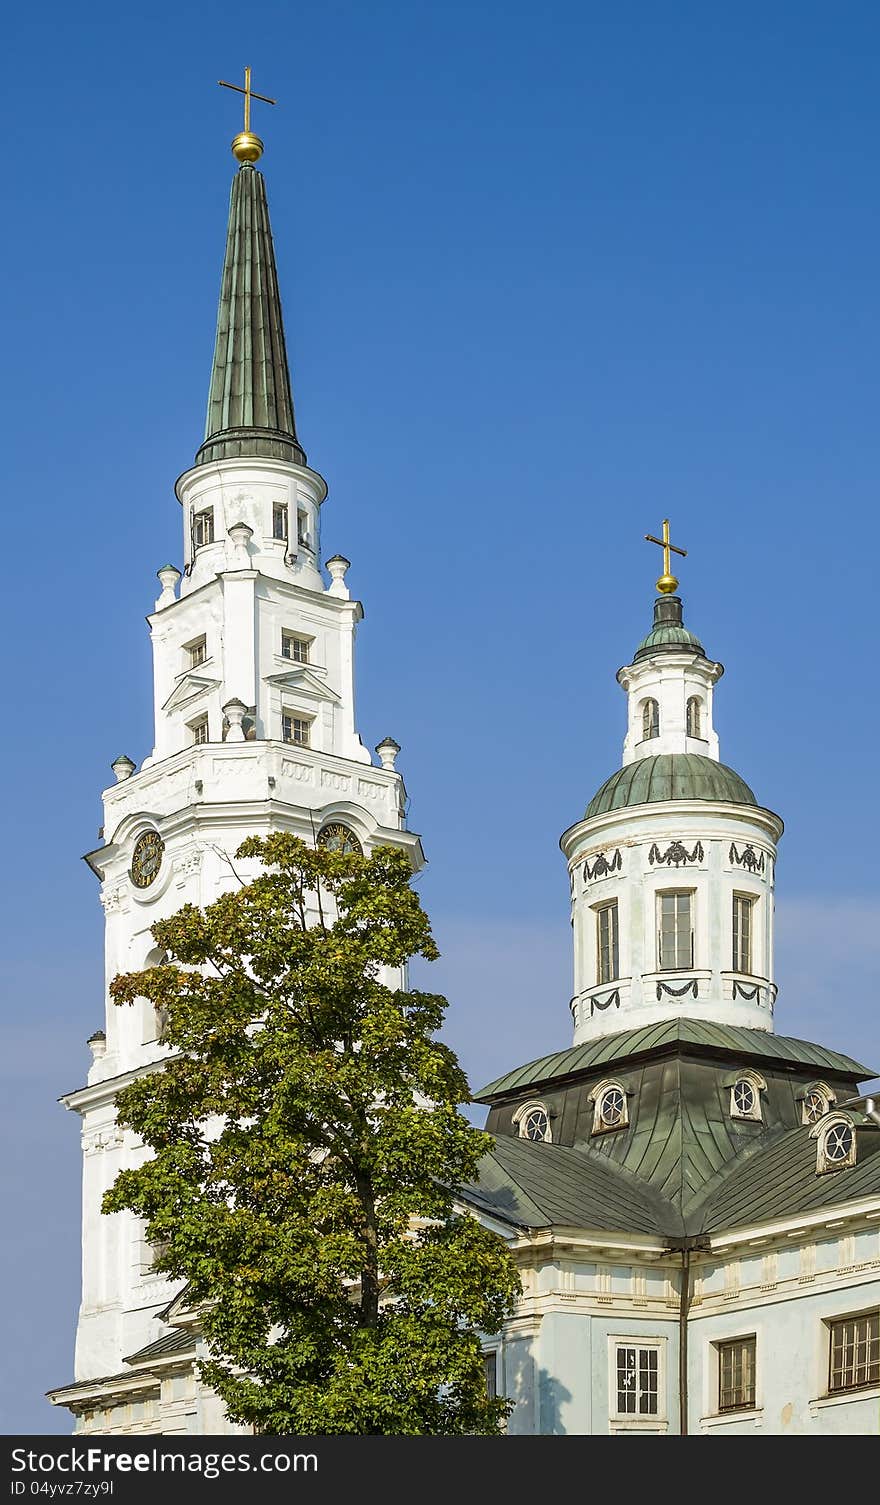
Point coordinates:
[(650, 719), (623, 1420), (740, 902), (491, 1367), (193, 647), (754, 1115), (297, 716), (197, 725), (281, 509), (820, 1090), (607, 907), (873, 1341), (675, 893), (204, 515), (522, 1115), (721, 1345), (820, 1131), (302, 528), (597, 1097), (694, 722), (288, 636)]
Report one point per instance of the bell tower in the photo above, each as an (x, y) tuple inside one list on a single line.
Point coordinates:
[(672, 867), (255, 731)]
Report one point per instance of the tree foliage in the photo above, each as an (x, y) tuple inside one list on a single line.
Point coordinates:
[(305, 1146)]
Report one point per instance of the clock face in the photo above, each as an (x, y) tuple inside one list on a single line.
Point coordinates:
[(146, 859), (338, 838)]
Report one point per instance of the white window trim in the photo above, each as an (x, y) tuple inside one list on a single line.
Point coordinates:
[(665, 893), (625, 1421), (198, 721), (522, 1113), (289, 635), (824, 1091), (199, 512), (819, 1131), (596, 1096), (758, 1085), (294, 713)]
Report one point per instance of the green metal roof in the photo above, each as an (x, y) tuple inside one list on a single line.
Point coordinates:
[(173, 1343), (779, 1180), (536, 1185), (669, 1035), (250, 405), (670, 776), (668, 631)]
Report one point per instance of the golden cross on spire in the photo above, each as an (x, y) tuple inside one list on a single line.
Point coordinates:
[(667, 582), (247, 147)]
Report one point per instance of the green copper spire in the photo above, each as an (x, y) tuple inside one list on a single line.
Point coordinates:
[(250, 406)]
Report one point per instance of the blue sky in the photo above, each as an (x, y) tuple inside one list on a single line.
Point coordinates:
[(551, 273)]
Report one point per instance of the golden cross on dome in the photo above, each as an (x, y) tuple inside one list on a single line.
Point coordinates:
[(667, 582), (247, 147)]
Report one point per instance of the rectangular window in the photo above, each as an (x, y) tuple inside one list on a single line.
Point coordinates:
[(854, 1352), (296, 729), (742, 933), (490, 1364), (638, 1391), (736, 1375), (302, 528), (199, 730), (607, 955), (675, 932), (198, 652), (203, 528), (279, 520), (294, 647)]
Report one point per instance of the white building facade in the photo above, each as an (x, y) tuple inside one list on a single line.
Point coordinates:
[(255, 731)]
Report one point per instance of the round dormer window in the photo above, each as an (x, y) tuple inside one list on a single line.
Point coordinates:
[(837, 1145), (612, 1108), (535, 1124), (744, 1098)]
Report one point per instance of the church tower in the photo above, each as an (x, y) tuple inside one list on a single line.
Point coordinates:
[(255, 731), (672, 867)]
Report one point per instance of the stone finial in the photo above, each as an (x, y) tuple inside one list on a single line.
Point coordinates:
[(241, 536), (123, 768), (97, 1044), (337, 567), (388, 750), (168, 576), (234, 711)]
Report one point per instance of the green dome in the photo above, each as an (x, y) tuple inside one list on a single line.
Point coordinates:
[(669, 637), (670, 776)]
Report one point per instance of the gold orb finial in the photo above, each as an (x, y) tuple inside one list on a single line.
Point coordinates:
[(247, 147), (667, 584)]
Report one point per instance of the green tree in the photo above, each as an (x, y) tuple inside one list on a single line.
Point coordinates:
[(306, 1147)]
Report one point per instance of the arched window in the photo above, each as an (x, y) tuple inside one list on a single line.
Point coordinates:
[(745, 1095), (836, 1147), (817, 1100), (533, 1122), (609, 1107), (693, 717), (650, 720)]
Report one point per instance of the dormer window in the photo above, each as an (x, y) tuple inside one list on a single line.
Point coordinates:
[(650, 720), (836, 1143), (532, 1120), (745, 1096), (693, 717), (609, 1107), (818, 1099), (203, 528), (279, 520)]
